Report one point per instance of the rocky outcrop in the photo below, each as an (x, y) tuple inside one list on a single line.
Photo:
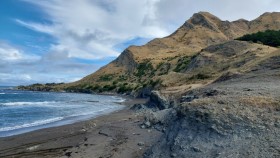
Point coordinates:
[(234, 118), (126, 60), (158, 101), (217, 131)]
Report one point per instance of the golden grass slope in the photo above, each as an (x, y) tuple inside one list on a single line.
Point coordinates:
[(186, 47)]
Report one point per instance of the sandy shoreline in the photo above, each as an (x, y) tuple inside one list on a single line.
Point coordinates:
[(113, 135)]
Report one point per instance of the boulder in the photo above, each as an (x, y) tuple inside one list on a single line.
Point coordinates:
[(159, 101)]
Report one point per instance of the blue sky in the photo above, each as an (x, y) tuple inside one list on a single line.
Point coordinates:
[(65, 40)]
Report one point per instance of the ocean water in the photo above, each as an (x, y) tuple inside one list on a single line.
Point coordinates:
[(24, 111)]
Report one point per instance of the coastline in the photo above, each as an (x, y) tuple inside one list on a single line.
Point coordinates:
[(117, 134)]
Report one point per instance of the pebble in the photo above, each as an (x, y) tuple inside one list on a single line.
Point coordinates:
[(148, 124), (195, 149), (141, 144)]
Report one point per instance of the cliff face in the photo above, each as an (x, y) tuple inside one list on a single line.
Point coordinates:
[(176, 59), (234, 118)]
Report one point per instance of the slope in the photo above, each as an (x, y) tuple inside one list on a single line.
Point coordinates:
[(180, 59)]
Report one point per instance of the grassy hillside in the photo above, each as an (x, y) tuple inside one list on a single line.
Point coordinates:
[(198, 53)]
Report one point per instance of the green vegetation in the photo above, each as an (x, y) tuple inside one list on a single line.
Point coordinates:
[(79, 88), (200, 76), (41, 87), (159, 65), (155, 83), (182, 64), (53, 84), (90, 88), (163, 68), (96, 88), (269, 37), (122, 78), (170, 58), (109, 87), (125, 88), (145, 68), (107, 77)]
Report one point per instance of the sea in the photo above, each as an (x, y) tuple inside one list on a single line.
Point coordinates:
[(25, 111)]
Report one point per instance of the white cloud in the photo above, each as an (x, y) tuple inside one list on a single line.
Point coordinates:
[(14, 79), (91, 28), (25, 77), (9, 53), (36, 26)]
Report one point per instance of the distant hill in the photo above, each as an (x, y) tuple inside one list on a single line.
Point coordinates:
[(199, 52)]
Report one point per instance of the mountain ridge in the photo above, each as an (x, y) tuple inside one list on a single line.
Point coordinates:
[(157, 61)]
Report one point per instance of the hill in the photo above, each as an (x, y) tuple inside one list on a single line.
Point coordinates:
[(200, 51)]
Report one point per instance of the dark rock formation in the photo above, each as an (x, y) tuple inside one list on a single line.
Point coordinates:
[(158, 101)]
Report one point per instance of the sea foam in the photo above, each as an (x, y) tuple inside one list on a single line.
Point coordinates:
[(27, 103), (36, 123)]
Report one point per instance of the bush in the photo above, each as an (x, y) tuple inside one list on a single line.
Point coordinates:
[(182, 64), (199, 76), (163, 68), (122, 78), (160, 64), (144, 68), (269, 37), (109, 87), (155, 83), (125, 88), (107, 77)]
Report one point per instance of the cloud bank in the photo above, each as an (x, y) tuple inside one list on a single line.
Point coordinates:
[(91, 29)]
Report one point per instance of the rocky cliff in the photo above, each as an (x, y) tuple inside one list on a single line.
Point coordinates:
[(234, 118)]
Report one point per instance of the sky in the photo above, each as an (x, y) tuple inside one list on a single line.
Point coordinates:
[(44, 41)]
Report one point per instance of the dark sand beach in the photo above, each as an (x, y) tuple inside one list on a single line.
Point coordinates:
[(114, 135)]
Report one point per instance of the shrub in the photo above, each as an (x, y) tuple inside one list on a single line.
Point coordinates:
[(160, 64), (122, 78), (269, 37), (155, 83), (108, 87), (182, 64), (107, 77), (144, 68), (199, 76), (125, 88)]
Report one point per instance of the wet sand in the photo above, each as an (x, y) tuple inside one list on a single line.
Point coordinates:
[(115, 135)]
